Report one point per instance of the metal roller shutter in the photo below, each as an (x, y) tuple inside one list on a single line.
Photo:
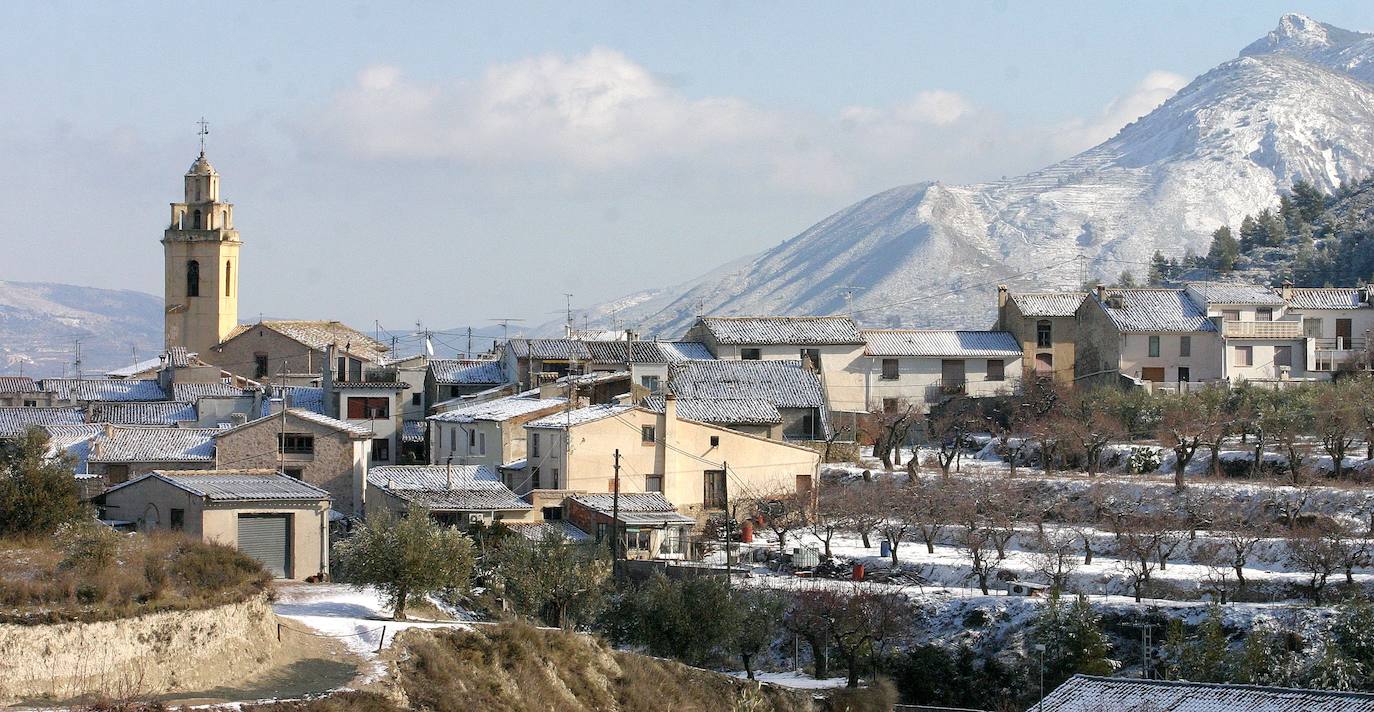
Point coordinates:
[(265, 538)]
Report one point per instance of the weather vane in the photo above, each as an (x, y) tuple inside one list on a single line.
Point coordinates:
[(204, 130)]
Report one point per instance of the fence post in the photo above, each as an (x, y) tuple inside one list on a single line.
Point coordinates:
[(278, 631), (381, 640)]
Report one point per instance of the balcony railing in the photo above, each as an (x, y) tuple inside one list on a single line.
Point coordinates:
[(1261, 329), (1340, 344)]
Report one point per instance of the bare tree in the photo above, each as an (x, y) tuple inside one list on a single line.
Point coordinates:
[(898, 510), (1216, 558), (976, 540), (1240, 536), (832, 513), (1317, 551), (1353, 552), (1056, 557), (931, 500), (890, 426), (1136, 553), (1087, 425), (1183, 427), (782, 512), (1336, 423), (1287, 419), (1168, 541), (948, 428)]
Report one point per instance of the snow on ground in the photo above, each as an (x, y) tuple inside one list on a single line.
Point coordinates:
[(794, 679), (358, 617)]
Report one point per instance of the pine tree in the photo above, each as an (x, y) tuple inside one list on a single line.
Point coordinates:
[(1206, 658), (1273, 228), (1159, 269), (1250, 234), (1310, 202), (1126, 280), (1073, 639), (1222, 254)]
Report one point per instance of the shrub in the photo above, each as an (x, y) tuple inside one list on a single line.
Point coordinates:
[(210, 567), (37, 494), (1142, 460), (88, 547)]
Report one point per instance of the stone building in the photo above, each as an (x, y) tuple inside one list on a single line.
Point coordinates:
[(1046, 326), (293, 351), (317, 449)]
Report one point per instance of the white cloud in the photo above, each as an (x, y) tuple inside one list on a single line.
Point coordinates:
[(1148, 93)]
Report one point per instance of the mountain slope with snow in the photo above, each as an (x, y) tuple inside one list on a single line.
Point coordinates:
[(1297, 104), (40, 324)]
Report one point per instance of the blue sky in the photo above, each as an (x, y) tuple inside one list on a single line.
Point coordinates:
[(451, 164)]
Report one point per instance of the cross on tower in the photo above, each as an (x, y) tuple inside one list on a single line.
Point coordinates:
[(204, 130)]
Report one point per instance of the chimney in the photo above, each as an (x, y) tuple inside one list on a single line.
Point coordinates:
[(1001, 295), (331, 406), (1101, 290), (237, 419), (1286, 291), (275, 406)]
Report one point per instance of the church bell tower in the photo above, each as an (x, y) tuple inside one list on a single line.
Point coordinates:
[(201, 251)]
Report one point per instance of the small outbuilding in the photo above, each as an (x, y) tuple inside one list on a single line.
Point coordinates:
[(457, 495), (278, 520)]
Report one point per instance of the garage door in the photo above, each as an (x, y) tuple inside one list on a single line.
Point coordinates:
[(265, 537)]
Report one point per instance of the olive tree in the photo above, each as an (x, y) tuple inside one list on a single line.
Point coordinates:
[(405, 558)]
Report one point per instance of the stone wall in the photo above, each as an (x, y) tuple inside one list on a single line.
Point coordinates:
[(145, 655)]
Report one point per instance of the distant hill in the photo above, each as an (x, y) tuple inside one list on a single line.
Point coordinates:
[(1295, 105), (41, 322)]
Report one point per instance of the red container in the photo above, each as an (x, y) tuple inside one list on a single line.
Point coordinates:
[(858, 572), (746, 532)]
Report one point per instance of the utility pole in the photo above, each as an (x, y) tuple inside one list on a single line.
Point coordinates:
[(729, 517), (469, 351), (281, 442), (615, 518), (77, 364), (568, 296), (849, 298)]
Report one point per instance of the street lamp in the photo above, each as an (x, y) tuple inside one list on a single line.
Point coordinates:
[(1040, 647)]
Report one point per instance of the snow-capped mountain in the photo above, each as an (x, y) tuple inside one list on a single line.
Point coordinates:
[(1298, 103), (40, 324)]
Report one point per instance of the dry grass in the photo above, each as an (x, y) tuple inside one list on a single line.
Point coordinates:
[(90, 573)]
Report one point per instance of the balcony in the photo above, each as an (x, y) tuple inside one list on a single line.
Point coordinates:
[(1261, 329), (1338, 353)]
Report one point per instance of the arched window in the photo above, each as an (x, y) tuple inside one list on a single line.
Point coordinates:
[(195, 220), (228, 276), (192, 278), (1044, 336)]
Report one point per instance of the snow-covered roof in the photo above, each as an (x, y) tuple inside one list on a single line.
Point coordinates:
[(303, 397), (195, 391), (783, 383), (549, 349), (1082, 693), (133, 443), (466, 488), (1048, 304), (1147, 310), (14, 421), (498, 410), (319, 335), (635, 508), (413, 431), (670, 351), (912, 342), (17, 384), (73, 440), (309, 416), (536, 531), (463, 371), (235, 485), (723, 411), (562, 420), (782, 329), (143, 366), (151, 413), (1328, 298), (104, 389), (1235, 293)]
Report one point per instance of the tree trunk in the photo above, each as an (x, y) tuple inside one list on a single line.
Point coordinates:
[(853, 662), (1137, 592), (818, 656), (894, 552), (748, 664), (864, 536), (1087, 552), (400, 613), (930, 545), (1240, 576), (1216, 459)]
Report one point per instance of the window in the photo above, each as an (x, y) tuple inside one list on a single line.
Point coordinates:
[(889, 405), (369, 408), (889, 369), (811, 358), (750, 354), (1154, 346), (415, 398), (453, 439), (1185, 346), (296, 443), (176, 519), (294, 472), (481, 443), (341, 369), (650, 383), (553, 514), (1184, 375), (534, 479), (1044, 364), (1283, 356), (553, 478), (192, 278), (646, 434), (673, 540), (715, 441), (637, 539), (30, 404), (259, 365), (472, 440), (1230, 315), (997, 369), (713, 496), (1044, 337), (534, 444), (381, 449), (1264, 314), (228, 277), (653, 483), (1245, 356), (195, 216)]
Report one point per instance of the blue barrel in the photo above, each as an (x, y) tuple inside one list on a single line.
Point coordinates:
[(885, 548)]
